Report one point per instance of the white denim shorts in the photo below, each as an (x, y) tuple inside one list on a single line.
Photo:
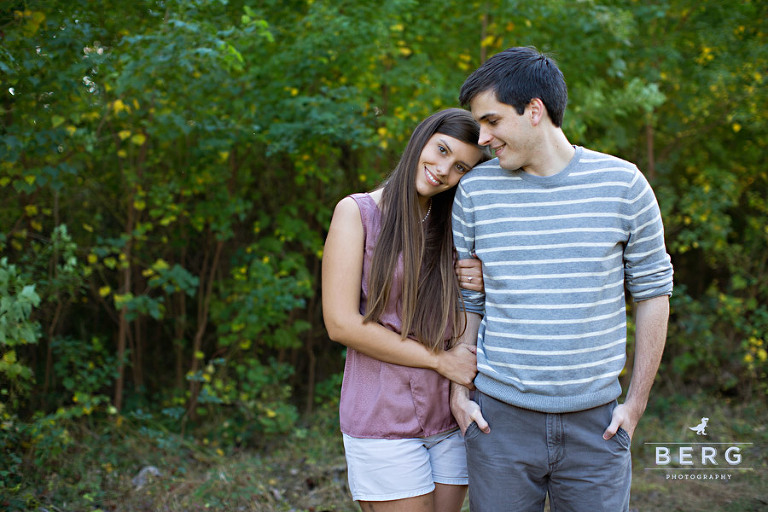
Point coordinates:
[(393, 469)]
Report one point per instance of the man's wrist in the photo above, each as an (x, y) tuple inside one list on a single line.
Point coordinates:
[(459, 394)]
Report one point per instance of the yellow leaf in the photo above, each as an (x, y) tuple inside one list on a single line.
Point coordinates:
[(223, 155), (199, 355), (121, 299), (9, 357), (88, 228), (736, 127), (138, 139), (124, 134), (270, 413), (30, 210), (104, 291), (118, 106), (160, 264), (122, 153), (92, 258), (29, 179), (71, 130)]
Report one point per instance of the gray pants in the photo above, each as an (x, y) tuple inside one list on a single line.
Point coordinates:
[(529, 453)]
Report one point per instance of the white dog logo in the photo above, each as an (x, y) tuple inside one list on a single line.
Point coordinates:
[(700, 428)]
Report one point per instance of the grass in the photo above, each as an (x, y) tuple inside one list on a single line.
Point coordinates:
[(306, 471)]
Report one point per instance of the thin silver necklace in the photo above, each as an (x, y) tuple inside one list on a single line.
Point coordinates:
[(429, 210)]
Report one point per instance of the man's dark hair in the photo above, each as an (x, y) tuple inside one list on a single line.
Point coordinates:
[(516, 76)]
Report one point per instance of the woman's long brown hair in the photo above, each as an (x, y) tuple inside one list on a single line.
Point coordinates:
[(430, 291)]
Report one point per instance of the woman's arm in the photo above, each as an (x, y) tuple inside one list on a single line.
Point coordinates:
[(341, 285)]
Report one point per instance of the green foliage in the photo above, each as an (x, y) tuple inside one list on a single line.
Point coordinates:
[(168, 171), (17, 329)]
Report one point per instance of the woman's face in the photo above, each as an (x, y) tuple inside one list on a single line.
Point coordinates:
[(444, 160)]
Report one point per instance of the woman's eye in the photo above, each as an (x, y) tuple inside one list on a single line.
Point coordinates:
[(442, 148), (461, 168)]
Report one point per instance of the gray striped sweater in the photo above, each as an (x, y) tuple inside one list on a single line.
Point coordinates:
[(557, 253)]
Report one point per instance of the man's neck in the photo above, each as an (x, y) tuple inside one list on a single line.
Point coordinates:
[(555, 155)]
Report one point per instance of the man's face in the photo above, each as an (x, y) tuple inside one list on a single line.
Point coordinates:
[(507, 133)]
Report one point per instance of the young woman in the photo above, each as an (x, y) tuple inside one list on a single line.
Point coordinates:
[(390, 294)]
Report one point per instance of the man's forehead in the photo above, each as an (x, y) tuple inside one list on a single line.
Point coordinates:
[(484, 105)]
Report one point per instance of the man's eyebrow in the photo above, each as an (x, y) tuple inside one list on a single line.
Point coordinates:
[(484, 117)]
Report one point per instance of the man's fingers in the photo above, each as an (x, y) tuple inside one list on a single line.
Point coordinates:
[(611, 430), (482, 424)]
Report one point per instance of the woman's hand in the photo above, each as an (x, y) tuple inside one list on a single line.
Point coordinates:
[(458, 364), (470, 274)]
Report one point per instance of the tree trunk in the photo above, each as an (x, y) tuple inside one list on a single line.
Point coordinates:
[(651, 170), (206, 291)]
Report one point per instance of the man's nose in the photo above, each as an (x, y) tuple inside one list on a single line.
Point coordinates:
[(485, 137)]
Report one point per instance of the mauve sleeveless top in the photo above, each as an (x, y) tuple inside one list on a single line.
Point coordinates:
[(383, 400)]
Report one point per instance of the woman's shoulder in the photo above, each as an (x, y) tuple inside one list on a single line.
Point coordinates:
[(365, 201)]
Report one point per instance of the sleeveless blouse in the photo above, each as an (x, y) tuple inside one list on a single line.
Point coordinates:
[(383, 400)]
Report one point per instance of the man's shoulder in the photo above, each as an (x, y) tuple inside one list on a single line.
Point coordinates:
[(593, 156), (613, 165)]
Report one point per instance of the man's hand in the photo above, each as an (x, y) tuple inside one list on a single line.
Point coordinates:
[(624, 417), (465, 410)]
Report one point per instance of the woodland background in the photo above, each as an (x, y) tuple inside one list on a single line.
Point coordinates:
[(168, 171)]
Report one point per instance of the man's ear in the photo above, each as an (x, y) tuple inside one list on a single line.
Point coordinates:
[(536, 110)]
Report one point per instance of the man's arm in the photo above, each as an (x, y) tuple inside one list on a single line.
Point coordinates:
[(465, 410), (650, 338)]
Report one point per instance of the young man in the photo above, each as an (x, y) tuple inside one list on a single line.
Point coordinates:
[(561, 230)]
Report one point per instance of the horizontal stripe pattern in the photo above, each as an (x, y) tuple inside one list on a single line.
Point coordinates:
[(557, 255)]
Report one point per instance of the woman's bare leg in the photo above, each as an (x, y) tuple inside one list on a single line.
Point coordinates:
[(424, 503), (449, 498), (445, 498)]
